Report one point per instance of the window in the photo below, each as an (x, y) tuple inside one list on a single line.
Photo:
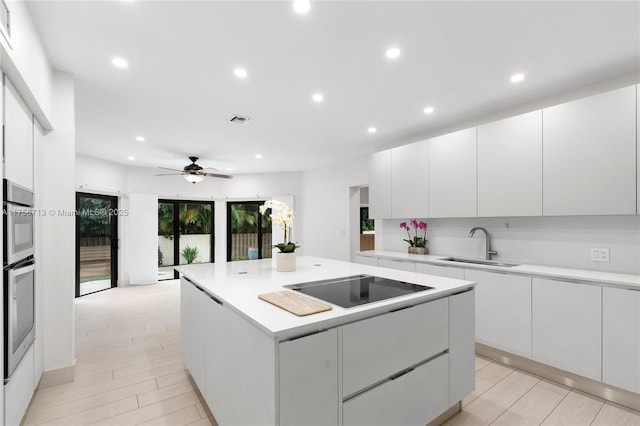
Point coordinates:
[(248, 232), (367, 226)]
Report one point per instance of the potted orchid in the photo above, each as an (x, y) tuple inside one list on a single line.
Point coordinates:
[(417, 244), (282, 215)]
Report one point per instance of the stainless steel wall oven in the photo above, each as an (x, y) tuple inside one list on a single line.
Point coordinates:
[(19, 274)]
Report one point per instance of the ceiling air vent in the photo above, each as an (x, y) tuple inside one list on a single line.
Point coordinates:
[(239, 119)]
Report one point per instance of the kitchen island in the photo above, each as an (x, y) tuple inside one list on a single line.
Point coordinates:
[(404, 360)]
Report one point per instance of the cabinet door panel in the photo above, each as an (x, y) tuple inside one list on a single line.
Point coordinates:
[(621, 338), (503, 311), (376, 348), (462, 359), (510, 166), (567, 326), (365, 260), (212, 331), (309, 380), (186, 290), (452, 175), (380, 185), (397, 264), (413, 399), (410, 181), (18, 135), (440, 271), (589, 155)]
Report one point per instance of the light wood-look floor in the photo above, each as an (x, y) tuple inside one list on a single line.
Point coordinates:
[(129, 371)]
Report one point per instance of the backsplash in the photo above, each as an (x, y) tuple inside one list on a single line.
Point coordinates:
[(556, 241)]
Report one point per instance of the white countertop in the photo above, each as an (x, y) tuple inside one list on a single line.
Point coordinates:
[(238, 284), (593, 277)]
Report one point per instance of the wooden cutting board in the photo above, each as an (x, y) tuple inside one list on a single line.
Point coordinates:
[(294, 303)]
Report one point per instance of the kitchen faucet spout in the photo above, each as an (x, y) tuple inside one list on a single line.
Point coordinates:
[(488, 250)]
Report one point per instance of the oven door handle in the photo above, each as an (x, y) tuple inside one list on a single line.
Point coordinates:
[(23, 263)]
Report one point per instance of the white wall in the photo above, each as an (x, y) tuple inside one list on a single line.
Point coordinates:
[(105, 177), (326, 205), (142, 238), (557, 241), (56, 175)]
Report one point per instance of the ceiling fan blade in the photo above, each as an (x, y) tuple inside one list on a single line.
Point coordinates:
[(170, 174), (217, 175), (166, 168), (209, 170)]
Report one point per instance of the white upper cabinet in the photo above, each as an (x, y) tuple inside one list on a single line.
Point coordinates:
[(589, 155), (452, 175), (380, 185), (510, 166), (410, 181), (18, 138)]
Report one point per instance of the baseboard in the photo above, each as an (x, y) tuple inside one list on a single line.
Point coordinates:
[(594, 387), (58, 376), (442, 418)]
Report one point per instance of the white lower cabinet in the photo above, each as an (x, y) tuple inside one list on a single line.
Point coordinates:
[(379, 347), (365, 260), (503, 311), (567, 326), (621, 338), (405, 400), (19, 390), (440, 271), (309, 380), (397, 264)]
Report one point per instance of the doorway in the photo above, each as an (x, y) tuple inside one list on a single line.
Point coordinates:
[(185, 235), (96, 243)]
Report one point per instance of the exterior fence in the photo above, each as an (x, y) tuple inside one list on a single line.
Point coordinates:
[(240, 244)]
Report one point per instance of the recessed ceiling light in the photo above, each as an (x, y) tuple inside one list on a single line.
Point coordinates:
[(240, 72), (317, 97), (119, 62), (131, 158), (301, 6), (393, 53), (517, 78), (258, 156), (140, 138), (429, 110), (372, 130), (229, 169)]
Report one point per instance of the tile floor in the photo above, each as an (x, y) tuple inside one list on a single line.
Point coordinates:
[(129, 371)]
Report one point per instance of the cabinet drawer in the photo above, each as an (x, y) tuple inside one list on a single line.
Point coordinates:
[(440, 271), (377, 348), (365, 260), (415, 398), (397, 264)]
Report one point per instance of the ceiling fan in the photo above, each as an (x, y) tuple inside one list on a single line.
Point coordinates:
[(194, 173)]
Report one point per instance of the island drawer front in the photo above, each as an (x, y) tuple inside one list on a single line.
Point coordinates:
[(415, 398), (379, 347)]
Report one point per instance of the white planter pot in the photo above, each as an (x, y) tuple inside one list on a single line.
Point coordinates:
[(285, 262)]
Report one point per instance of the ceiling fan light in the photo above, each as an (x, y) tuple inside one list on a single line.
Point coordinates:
[(193, 178)]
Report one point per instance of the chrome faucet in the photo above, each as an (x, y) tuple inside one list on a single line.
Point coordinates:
[(486, 237)]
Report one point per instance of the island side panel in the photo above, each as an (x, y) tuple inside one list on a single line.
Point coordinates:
[(462, 379)]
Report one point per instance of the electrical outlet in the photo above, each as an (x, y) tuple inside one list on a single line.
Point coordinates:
[(600, 255)]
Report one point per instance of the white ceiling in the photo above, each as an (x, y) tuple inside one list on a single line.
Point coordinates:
[(179, 89)]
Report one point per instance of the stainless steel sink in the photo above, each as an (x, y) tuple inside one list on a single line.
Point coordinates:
[(480, 262)]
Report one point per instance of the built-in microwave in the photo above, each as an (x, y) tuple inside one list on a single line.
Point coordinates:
[(18, 221)]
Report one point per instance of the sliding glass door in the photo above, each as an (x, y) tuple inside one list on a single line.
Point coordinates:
[(96, 243), (185, 234), (248, 232)]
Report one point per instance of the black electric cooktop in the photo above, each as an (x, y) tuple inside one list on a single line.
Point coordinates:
[(357, 290)]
